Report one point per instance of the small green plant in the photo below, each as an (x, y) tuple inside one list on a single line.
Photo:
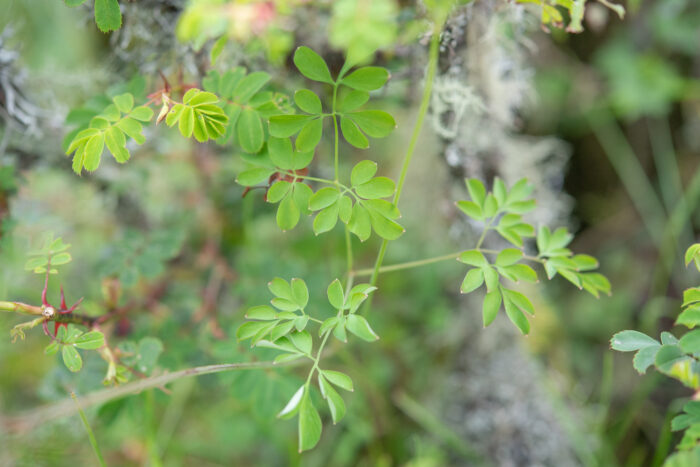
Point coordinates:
[(281, 143), (677, 358)]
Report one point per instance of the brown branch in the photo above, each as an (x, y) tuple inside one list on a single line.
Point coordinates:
[(32, 419)]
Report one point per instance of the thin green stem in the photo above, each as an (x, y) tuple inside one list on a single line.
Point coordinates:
[(422, 111), (407, 265), (486, 229), (91, 435), (348, 251), (335, 130), (313, 179), (150, 428), (435, 259), (534, 259)]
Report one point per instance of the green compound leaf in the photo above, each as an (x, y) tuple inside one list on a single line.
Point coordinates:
[(690, 343), (472, 281), (200, 115), (692, 254), (376, 123), (308, 101), (284, 126), (363, 172), (261, 313), (90, 340), (108, 15), (477, 191), (323, 198), (491, 305), (352, 100), (250, 131), (326, 219), (288, 213), (352, 134), (310, 135), (515, 314), (359, 326), (249, 86), (312, 65), (335, 295), (378, 187), (302, 341), (254, 176), (124, 102), (385, 227), (629, 341), (300, 292), (109, 129), (71, 358), (339, 379), (292, 406), (508, 257), (473, 258), (278, 191), (336, 405), (367, 78), (310, 426), (360, 223)]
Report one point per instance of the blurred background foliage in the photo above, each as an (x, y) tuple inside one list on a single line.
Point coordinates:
[(606, 123)]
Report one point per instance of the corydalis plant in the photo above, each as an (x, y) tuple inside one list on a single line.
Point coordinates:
[(677, 358)]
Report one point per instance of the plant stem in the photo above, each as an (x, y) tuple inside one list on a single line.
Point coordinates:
[(36, 417), (91, 435), (436, 259), (407, 265), (348, 251), (335, 129), (20, 308), (422, 111), (150, 428)]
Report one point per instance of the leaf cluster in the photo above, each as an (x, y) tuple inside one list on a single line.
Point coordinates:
[(110, 128), (246, 105), (198, 114), (501, 210), (283, 327), (68, 340), (677, 358), (52, 253)]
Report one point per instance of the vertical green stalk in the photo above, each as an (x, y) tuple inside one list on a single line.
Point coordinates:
[(348, 251), (91, 435), (422, 111), (335, 129), (150, 425)]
